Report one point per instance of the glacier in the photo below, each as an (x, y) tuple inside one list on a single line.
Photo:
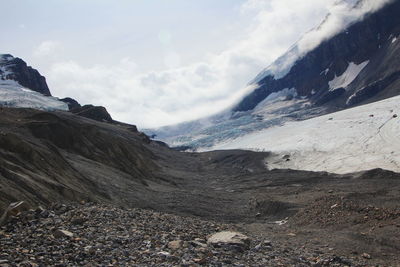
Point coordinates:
[(356, 139)]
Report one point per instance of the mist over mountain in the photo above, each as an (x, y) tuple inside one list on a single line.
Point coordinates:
[(356, 66)]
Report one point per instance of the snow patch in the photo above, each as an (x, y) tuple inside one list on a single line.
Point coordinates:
[(394, 39), (5, 58), (348, 76), (12, 94)]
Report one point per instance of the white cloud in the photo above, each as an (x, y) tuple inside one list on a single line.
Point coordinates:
[(182, 93), (47, 48)]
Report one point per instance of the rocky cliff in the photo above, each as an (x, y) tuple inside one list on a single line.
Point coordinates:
[(13, 68)]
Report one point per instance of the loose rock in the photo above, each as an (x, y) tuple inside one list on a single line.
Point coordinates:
[(62, 233), (228, 238)]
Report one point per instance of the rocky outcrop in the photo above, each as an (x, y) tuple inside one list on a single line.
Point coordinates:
[(13, 68), (72, 103), (373, 40), (97, 113)]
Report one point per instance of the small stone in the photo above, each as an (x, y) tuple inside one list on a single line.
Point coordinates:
[(62, 233), (78, 220), (196, 243), (175, 245), (200, 261), (39, 210), (258, 247), (164, 253), (267, 243), (89, 249), (366, 256)]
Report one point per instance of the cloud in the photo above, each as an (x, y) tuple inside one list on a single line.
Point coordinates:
[(180, 93), (47, 48), (342, 14)]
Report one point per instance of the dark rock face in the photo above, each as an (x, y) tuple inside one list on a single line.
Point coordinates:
[(16, 69), (372, 39), (72, 103), (97, 113)]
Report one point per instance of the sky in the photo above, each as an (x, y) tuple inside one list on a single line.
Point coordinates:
[(159, 62)]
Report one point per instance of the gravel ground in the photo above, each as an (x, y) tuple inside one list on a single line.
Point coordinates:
[(100, 235)]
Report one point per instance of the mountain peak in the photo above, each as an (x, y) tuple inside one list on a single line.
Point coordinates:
[(13, 68)]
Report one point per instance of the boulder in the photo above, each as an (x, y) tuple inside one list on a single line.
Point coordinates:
[(229, 239)]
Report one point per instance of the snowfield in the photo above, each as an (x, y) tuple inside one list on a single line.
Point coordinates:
[(351, 140), (12, 94), (348, 76)]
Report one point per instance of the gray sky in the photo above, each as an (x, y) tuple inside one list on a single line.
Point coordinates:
[(155, 62)]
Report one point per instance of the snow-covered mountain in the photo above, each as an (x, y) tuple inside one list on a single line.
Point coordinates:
[(23, 86), (355, 66)]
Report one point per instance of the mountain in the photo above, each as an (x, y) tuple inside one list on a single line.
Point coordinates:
[(356, 66), (24, 87), (359, 65)]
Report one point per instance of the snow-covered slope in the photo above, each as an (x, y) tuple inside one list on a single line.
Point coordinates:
[(351, 140), (331, 64), (344, 13), (12, 94)]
